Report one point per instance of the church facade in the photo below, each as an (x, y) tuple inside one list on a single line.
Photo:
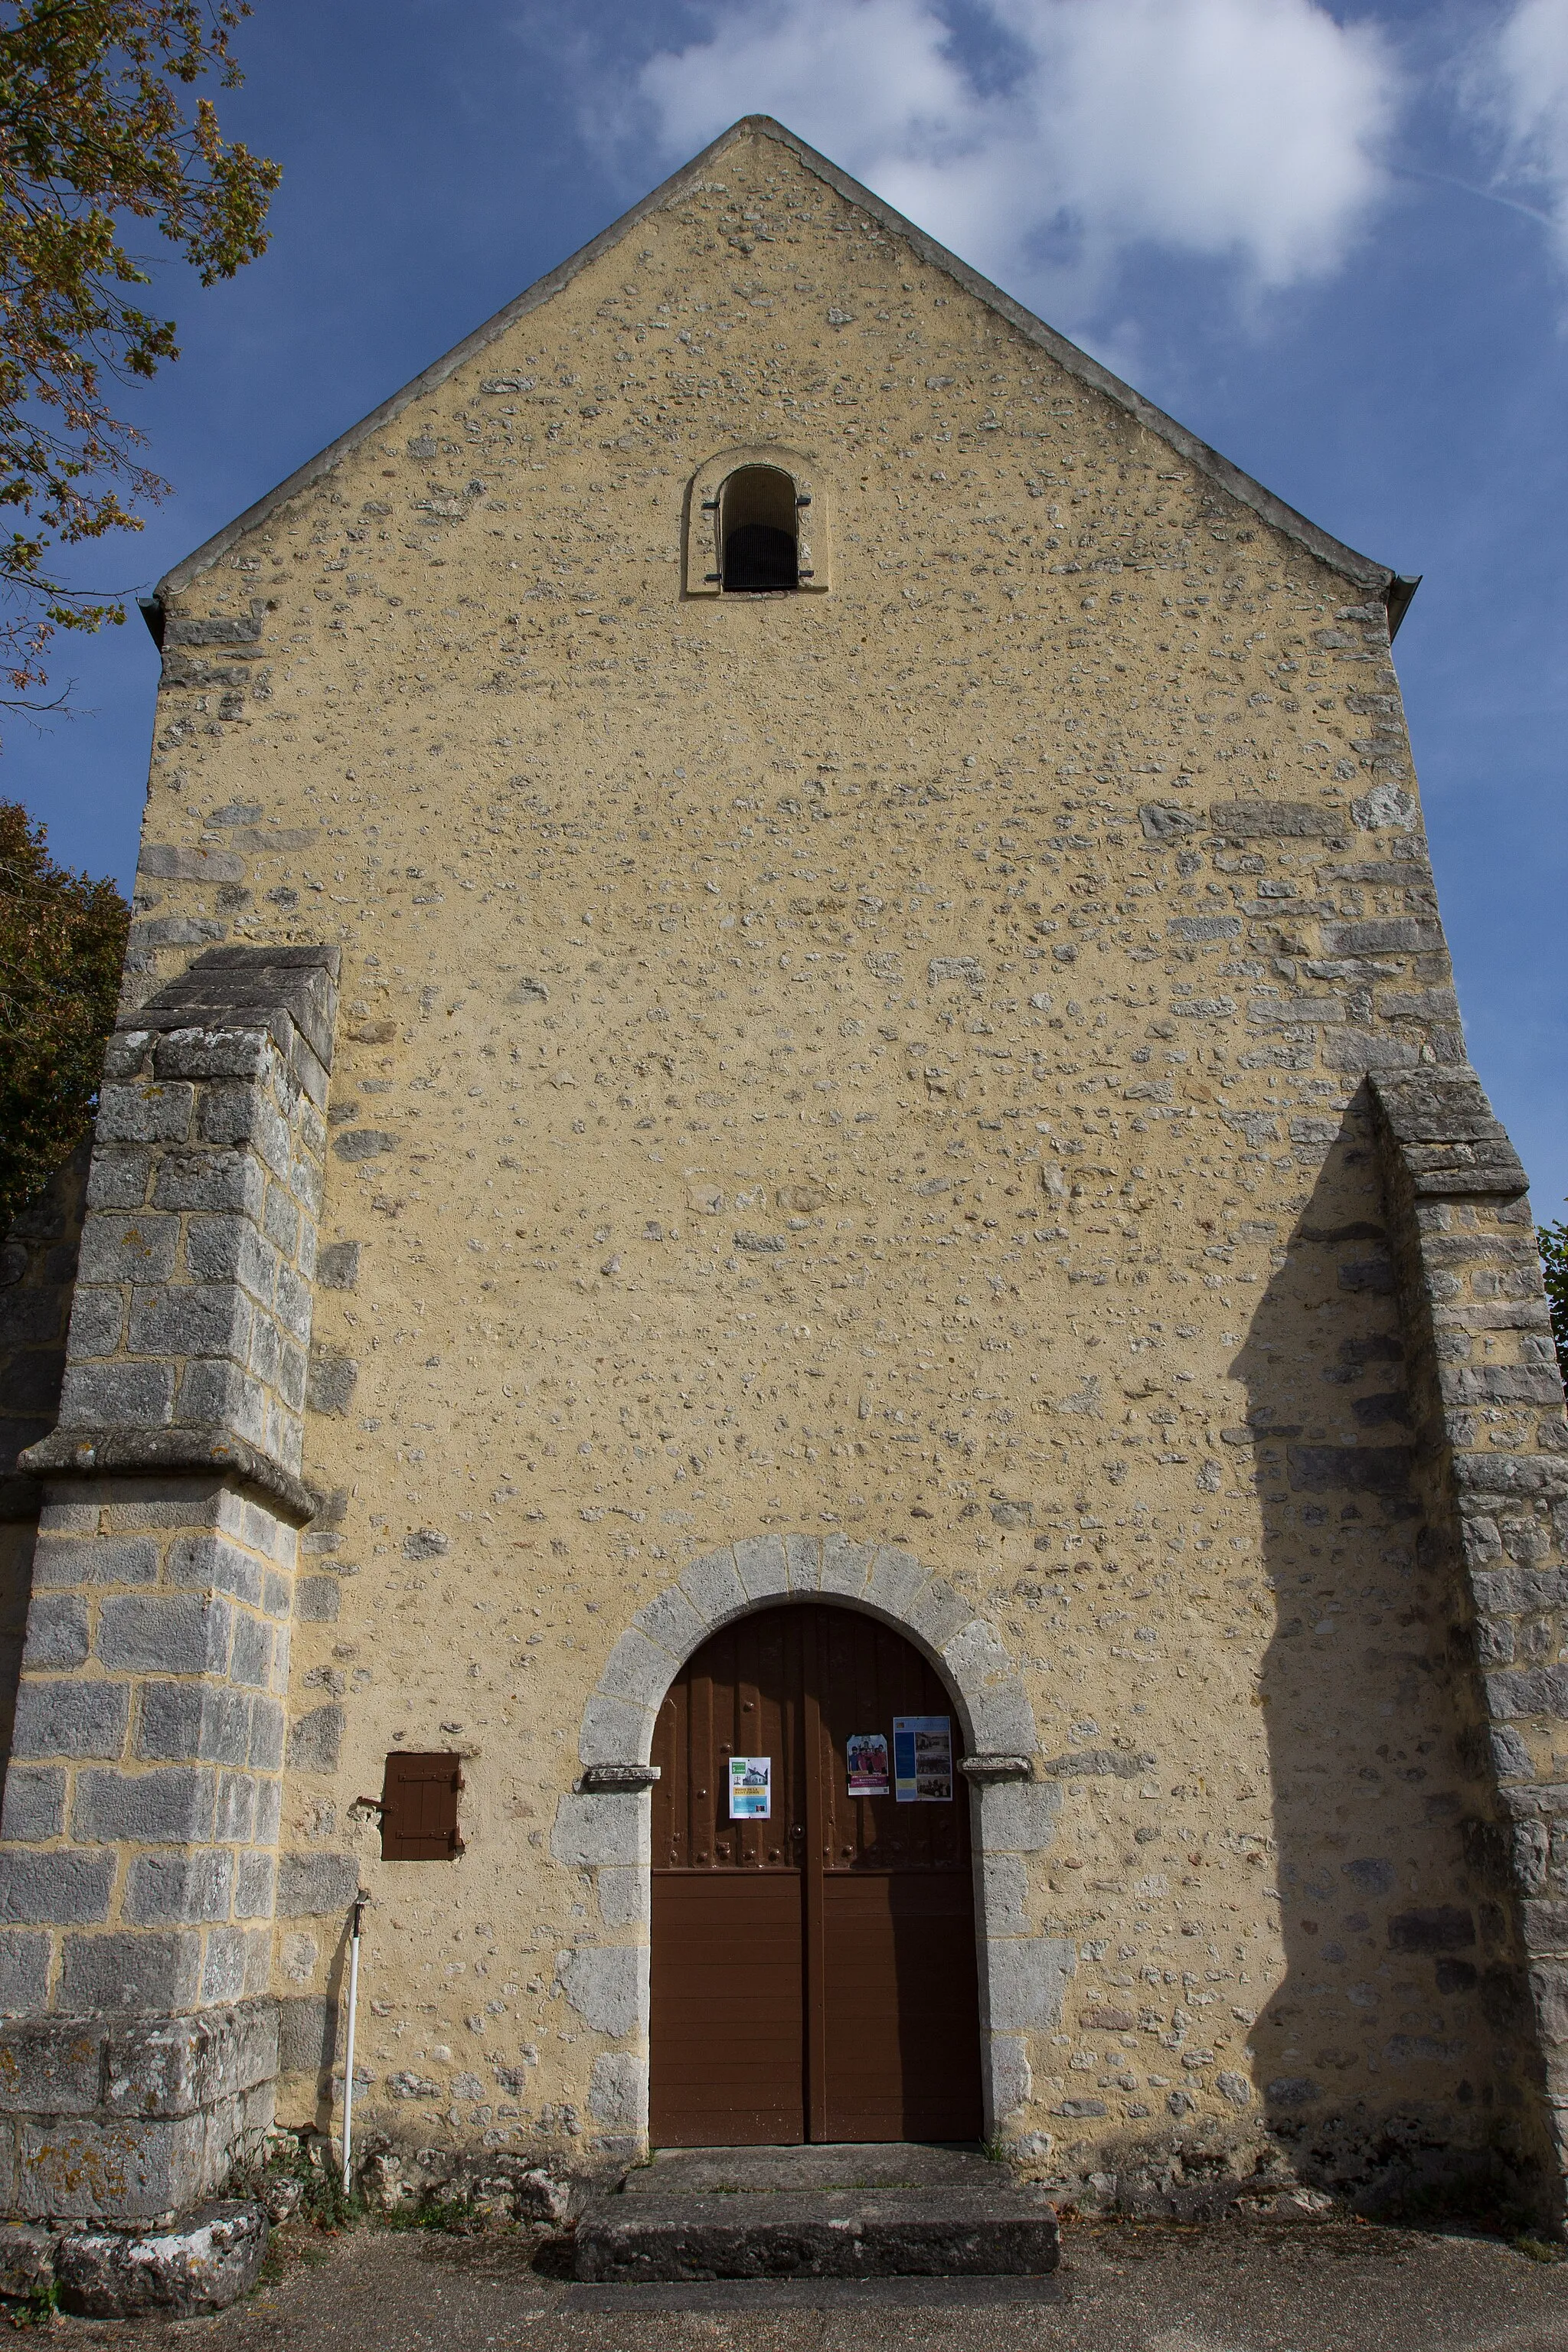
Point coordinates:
[(793, 1311)]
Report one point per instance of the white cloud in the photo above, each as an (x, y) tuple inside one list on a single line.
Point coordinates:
[(1524, 83), (1249, 132)]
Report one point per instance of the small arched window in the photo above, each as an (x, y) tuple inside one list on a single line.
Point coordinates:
[(757, 524), (759, 531)]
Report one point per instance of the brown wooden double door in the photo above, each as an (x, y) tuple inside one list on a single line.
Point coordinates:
[(814, 1974)]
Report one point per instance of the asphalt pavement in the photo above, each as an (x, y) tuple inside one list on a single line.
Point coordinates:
[(1234, 2286)]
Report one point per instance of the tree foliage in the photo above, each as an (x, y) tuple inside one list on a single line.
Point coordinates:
[(1555, 1267), (100, 129), (62, 943)]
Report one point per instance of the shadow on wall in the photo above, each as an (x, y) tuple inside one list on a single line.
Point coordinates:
[(1384, 2058), (38, 1271)]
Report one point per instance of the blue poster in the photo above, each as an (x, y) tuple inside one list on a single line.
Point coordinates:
[(922, 1760)]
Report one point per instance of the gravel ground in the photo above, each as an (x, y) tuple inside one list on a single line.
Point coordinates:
[(1233, 2287)]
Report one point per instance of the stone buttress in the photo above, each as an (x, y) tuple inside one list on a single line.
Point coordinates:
[(1492, 1457), (138, 1868)]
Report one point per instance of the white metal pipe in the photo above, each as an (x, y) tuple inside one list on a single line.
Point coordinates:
[(359, 1901)]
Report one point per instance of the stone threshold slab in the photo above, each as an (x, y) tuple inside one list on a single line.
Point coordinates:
[(938, 2233)]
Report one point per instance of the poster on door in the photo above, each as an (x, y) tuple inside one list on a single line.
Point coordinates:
[(751, 1788), (865, 1754), (922, 1760)]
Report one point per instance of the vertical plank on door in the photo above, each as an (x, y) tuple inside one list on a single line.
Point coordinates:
[(725, 2019), (813, 1856)]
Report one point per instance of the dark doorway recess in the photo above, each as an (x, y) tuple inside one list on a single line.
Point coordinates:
[(759, 531), (814, 1974)]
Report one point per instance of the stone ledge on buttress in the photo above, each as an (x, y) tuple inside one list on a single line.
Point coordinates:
[(159, 1453), (1448, 1136), (225, 983)]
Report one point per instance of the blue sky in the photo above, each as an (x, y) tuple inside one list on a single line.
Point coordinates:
[(1332, 241)]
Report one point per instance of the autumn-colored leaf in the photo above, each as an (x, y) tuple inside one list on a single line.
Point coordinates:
[(98, 130), (62, 943)]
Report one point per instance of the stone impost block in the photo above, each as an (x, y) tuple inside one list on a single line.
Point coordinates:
[(937, 1612), (714, 1587), (609, 1827), (25, 1957), (846, 1565), (315, 1740), (763, 1567), (637, 1669), (34, 1802), (145, 1632), (1026, 1979), (169, 1805), (672, 1622), (59, 1716), (607, 1985), (59, 1887), (614, 1731), (896, 1577), (63, 1559), (316, 1885), (804, 1554), (56, 1631), (229, 1183), (193, 1721), (117, 1395), (188, 1889), (192, 1320)]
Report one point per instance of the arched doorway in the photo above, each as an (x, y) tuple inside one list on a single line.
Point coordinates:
[(813, 1968)]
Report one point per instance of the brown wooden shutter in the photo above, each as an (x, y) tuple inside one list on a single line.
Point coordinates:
[(419, 1809)]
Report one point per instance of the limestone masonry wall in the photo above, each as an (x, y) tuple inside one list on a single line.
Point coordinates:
[(898, 1068)]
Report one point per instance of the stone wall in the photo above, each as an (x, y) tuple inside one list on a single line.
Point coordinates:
[(889, 1063)]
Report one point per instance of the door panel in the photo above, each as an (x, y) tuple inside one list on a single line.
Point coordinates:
[(726, 2024), (905, 2067), (813, 1974)]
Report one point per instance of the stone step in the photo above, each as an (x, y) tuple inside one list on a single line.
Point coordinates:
[(995, 2230)]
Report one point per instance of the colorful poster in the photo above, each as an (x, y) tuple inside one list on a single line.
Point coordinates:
[(866, 1753), (751, 1788), (922, 1760)]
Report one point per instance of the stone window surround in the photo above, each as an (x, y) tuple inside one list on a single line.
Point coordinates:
[(699, 532), (603, 1825)]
